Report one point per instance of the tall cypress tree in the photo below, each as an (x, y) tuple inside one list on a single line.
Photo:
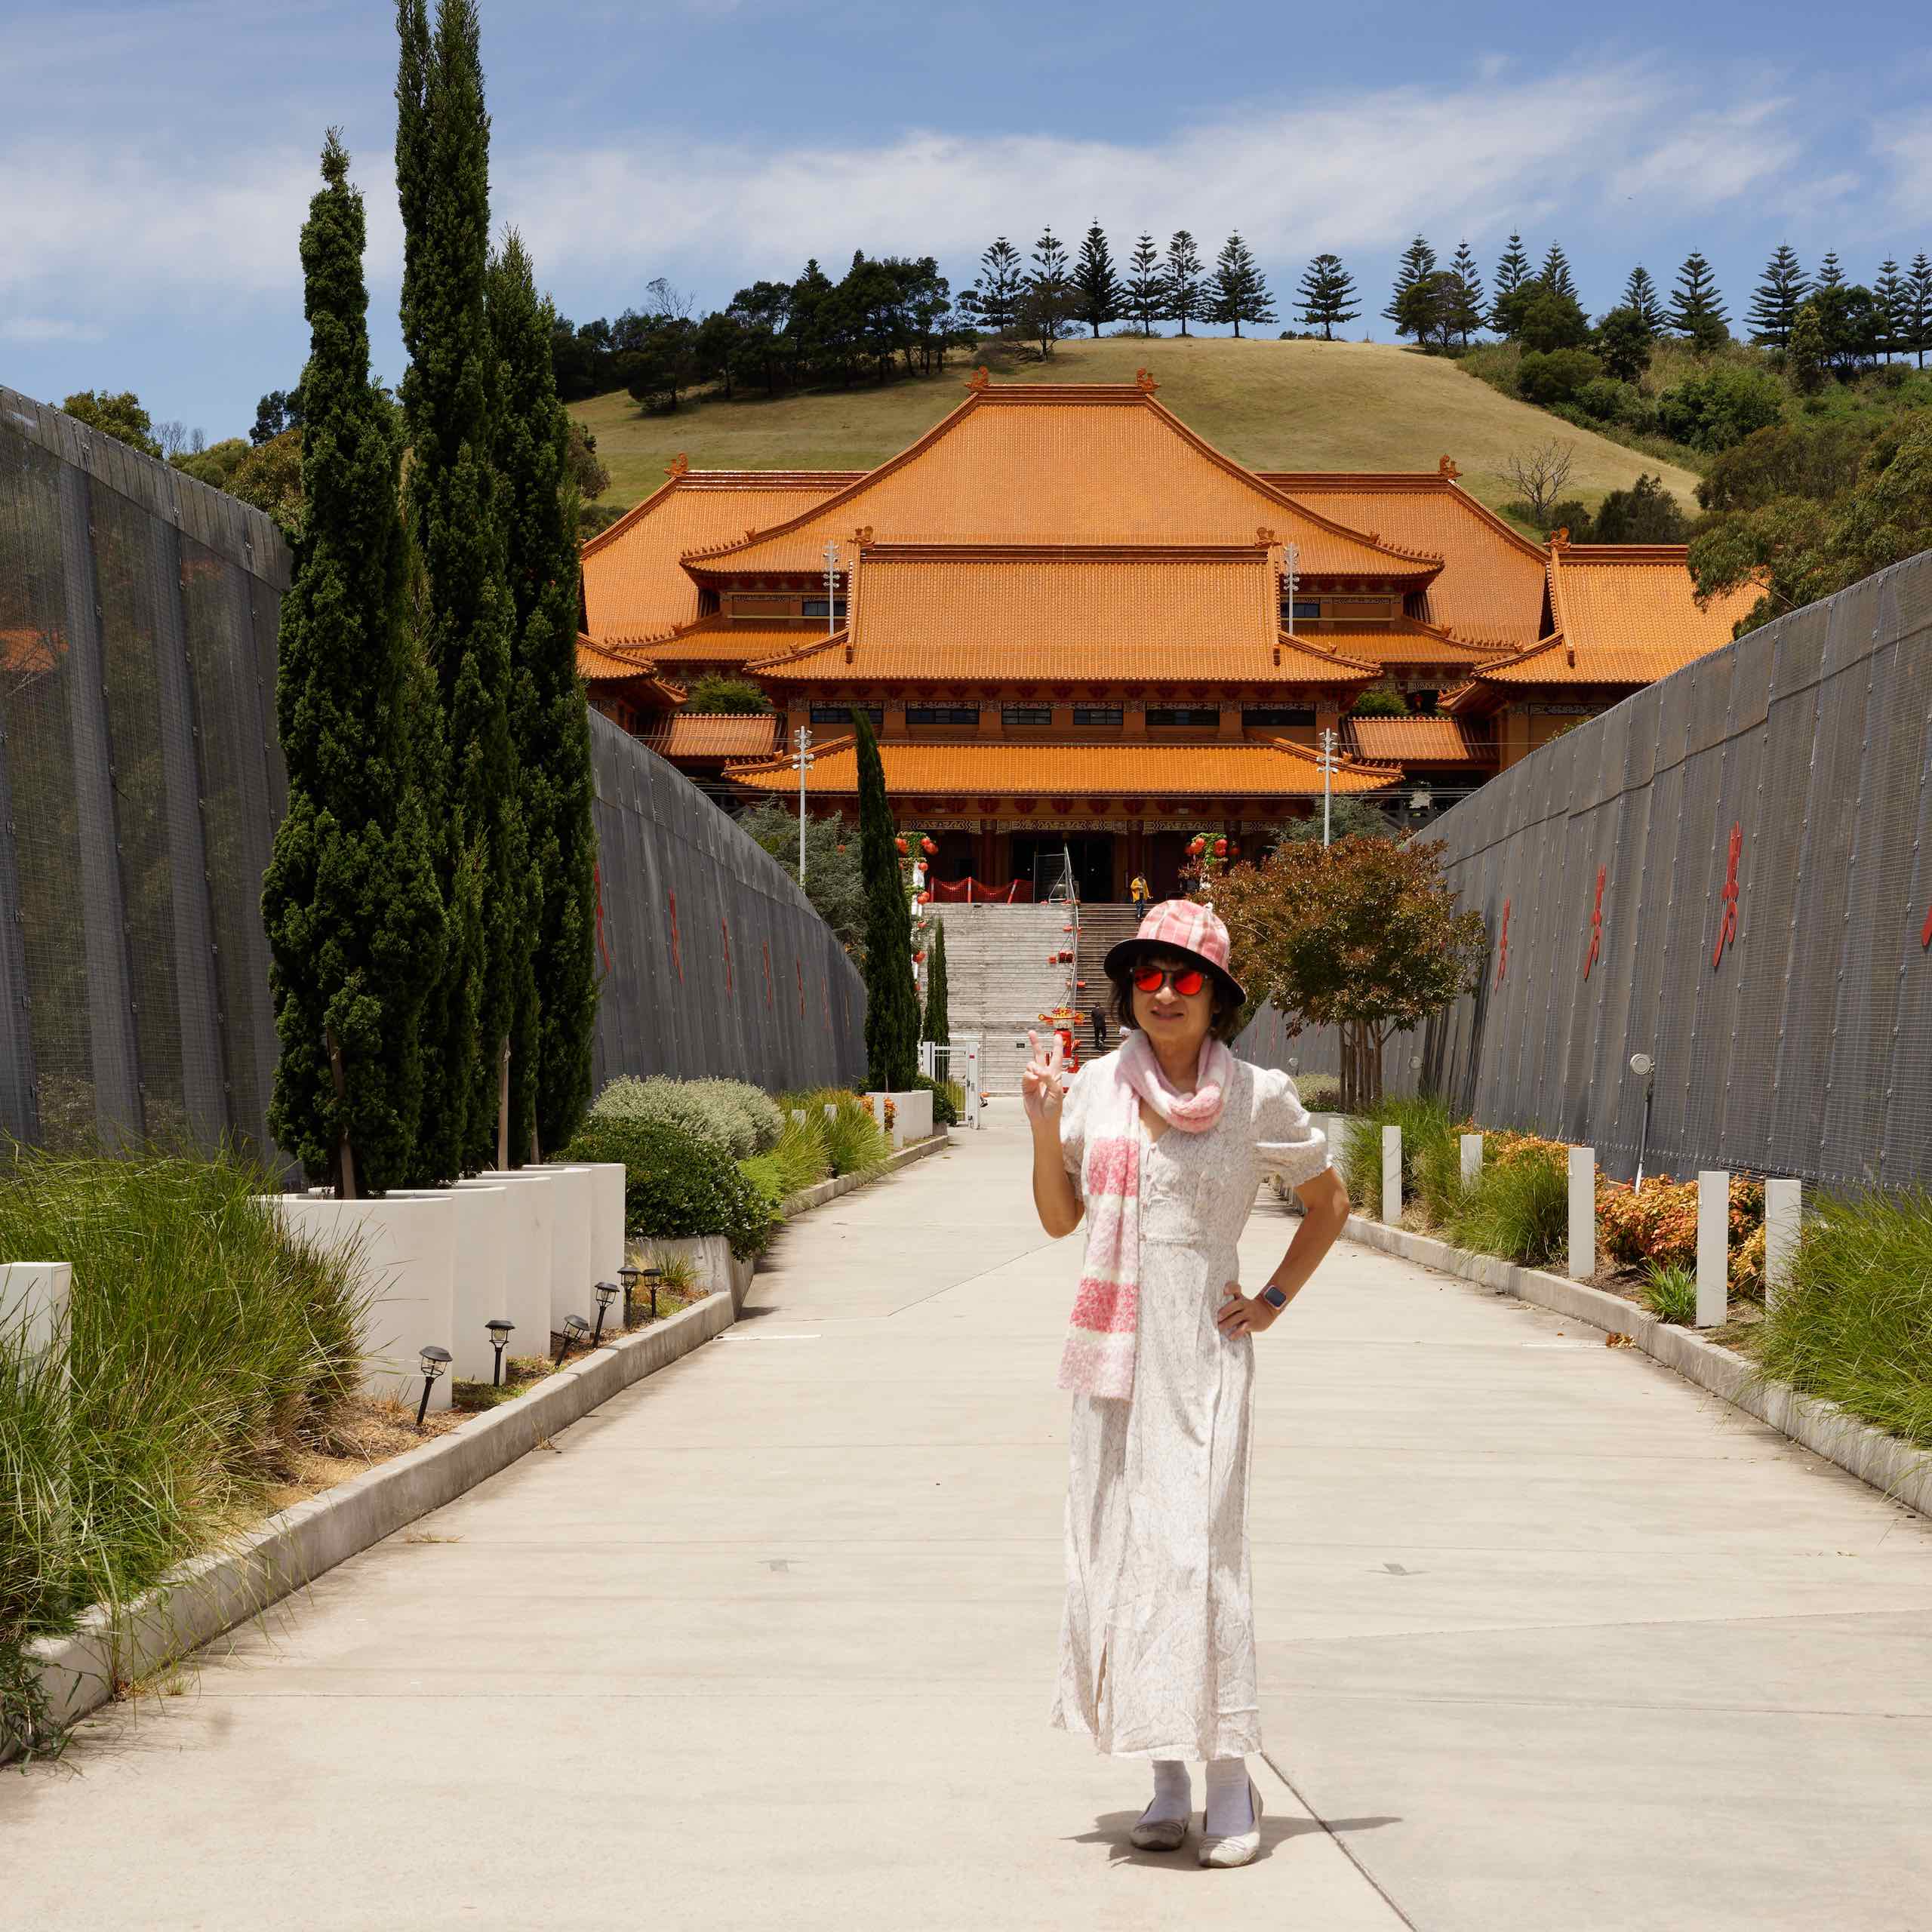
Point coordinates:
[(1918, 306), (1470, 304), (349, 900), (1640, 293), (1512, 271), (450, 401), (1146, 291), (1182, 298), (1100, 296), (550, 722), (892, 997), (1830, 276), (1774, 302), (1418, 263), (1328, 296), (1241, 294), (1555, 274), (1696, 308), (937, 1025), (1894, 299)]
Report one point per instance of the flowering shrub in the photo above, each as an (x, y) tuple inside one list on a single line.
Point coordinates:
[(1659, 1226)]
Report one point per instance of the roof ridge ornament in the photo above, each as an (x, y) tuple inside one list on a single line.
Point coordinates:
[(679, 465), (980, 380), (1144, 382), (1445, 468), (1559, 537)]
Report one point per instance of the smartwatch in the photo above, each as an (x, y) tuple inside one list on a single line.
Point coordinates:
[(1273, 1296)]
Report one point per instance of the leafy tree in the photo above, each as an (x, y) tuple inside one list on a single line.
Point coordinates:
[(121, 417), (1328, 296), (1101, 297), (1555, 274), (892, 998), (1549, 320), (1894, 301), (1417, 264), (1696, 308), (1640, 293), (1721, 407), (1349, 817), (1816, 459), (279, 410), (1852, 323), (1572, 516), (1512, 271), (556, 1003), (937, 1026), (1830, 276), (1145, 298), (1555, 376), (1429, 309), (1774, 303), (1048, 293), (1645, 513), (270, 477), (1918, 307), (663, 363), (1183, 296), (1806, 359), (1363, 935), (1382, 701), (835, 882), (993, 299), (716, 693), (1471, 303), (1241, 295), (1623, 342), (349, 899), (451, 398)]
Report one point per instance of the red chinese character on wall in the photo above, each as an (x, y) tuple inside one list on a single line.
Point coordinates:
[(767, 972), (724, 927), (597, 878), (1596, 926), (1925, 937), (677, 957), (1727, 925), (1502, 949)]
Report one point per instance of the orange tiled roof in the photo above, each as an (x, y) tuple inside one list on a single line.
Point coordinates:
[(596, 666), (1414, 741), (633, 586), (1039, 463), (1491, 591), (1404, 641), (1269, 767), (726, 640), (696, 734), (999, 613)]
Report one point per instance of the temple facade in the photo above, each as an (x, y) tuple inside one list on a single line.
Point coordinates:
[(1076, 626)]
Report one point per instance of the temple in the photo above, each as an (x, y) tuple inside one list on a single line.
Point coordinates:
[(1075, 625)]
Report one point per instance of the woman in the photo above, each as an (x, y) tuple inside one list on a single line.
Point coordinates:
[(1161, 1146)]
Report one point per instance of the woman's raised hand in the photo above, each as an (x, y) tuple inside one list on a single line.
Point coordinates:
[(1040, 1087)]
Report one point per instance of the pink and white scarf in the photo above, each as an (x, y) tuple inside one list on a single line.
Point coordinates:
[(1098, 1359)]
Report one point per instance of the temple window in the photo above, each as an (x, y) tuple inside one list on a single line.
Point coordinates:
[(1101, 714), (942, 714), (1019, 716), (841, 714), (1208, 715), (820, 606), (1256, 714), (745, 605), (1307, 609), (1360, 609)]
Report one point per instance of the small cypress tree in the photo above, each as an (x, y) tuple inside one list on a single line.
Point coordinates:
[(1100, 295), (450, 403), (1512, 271), (1555, 274), (1241, 295), (355, 926), (1918, 307), (1830, 276), (892, 997), (551, 1048), (1806, 355), (1328, 296), (1146, 288), (1048, 294), (1182, 298), (1696, 308), (937, 1026), (1774, 302), (1894, 301), (1640, 293), (994, 300), (1418, 263), (1469, 304)]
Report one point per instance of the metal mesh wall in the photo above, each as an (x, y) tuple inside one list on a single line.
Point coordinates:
[(1794, 1037), (140, 785)]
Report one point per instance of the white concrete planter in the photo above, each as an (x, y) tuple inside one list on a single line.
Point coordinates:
[(911, 1114), (478, 1280), (709, 1255), (529, 1207), (607, 1237), (572, 1237), (406, 1245)]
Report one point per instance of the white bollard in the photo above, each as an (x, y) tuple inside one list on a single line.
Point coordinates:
[(1392, 1175), (1583, 1213), (798, 1116), (831, 1110), (1472, 1160), (34, 1296), (1784, 1209), (1713, 1247)]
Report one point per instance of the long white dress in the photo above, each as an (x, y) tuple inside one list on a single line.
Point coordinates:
[(1157, 1641)]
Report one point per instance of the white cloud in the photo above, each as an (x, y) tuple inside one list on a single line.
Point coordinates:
[(1710, 158), (1906, 144), (49, 328)]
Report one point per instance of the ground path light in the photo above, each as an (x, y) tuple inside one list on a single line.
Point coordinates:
[(433, 1361), (607, 1293), (628, 1274), (575, 1329), (500, 1335)]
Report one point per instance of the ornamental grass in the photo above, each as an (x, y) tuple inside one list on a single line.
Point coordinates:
[(1519, 1207)]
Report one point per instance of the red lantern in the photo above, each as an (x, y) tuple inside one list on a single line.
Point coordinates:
[(919, 958), (901, 844), (926, 845), (1220, 848), (925, 899), (1199, 845)]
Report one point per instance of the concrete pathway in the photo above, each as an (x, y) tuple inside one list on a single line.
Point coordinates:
[(1549, 1639)]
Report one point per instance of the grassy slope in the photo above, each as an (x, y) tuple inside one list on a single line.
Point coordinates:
[(1274, 405)]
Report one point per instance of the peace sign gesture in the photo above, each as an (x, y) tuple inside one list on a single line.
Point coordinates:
[(1040, 1086)]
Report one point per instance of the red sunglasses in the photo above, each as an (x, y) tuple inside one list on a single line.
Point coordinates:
[(1187, 980)]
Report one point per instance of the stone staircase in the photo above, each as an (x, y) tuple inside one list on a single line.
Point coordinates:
[(1101, 927), (999, 981)]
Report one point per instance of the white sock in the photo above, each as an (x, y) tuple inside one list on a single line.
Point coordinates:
[(1228, 1811), (1174, 1797)]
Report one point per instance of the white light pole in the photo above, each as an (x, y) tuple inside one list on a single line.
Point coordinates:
[(801, 758), (1290, 570), (831, 588), (1328, 743)]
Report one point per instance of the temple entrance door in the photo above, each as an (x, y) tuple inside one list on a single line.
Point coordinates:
[(1165, 851), (1036, 858), (954, 859)]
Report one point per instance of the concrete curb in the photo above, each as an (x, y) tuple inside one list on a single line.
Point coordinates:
[(214, 1593), (1901, 1472)]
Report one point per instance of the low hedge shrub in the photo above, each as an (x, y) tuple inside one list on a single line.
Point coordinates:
[(947, 1099), (677, 1184), (739, 1118)]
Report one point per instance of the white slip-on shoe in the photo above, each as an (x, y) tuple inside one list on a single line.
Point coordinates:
[(1238, 1847), (1159, 1834)]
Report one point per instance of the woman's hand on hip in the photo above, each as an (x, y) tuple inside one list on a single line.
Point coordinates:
[(1040, 1088), (1244, 1315)]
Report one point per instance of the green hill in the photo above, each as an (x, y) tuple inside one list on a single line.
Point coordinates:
[(1271, 404)]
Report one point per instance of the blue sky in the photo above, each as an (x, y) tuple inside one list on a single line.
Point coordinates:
[(156, 160)]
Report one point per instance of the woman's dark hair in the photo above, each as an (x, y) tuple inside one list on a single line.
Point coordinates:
[(1226, 1017)]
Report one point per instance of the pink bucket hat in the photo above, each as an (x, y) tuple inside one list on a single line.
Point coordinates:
[(1180, 925)]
